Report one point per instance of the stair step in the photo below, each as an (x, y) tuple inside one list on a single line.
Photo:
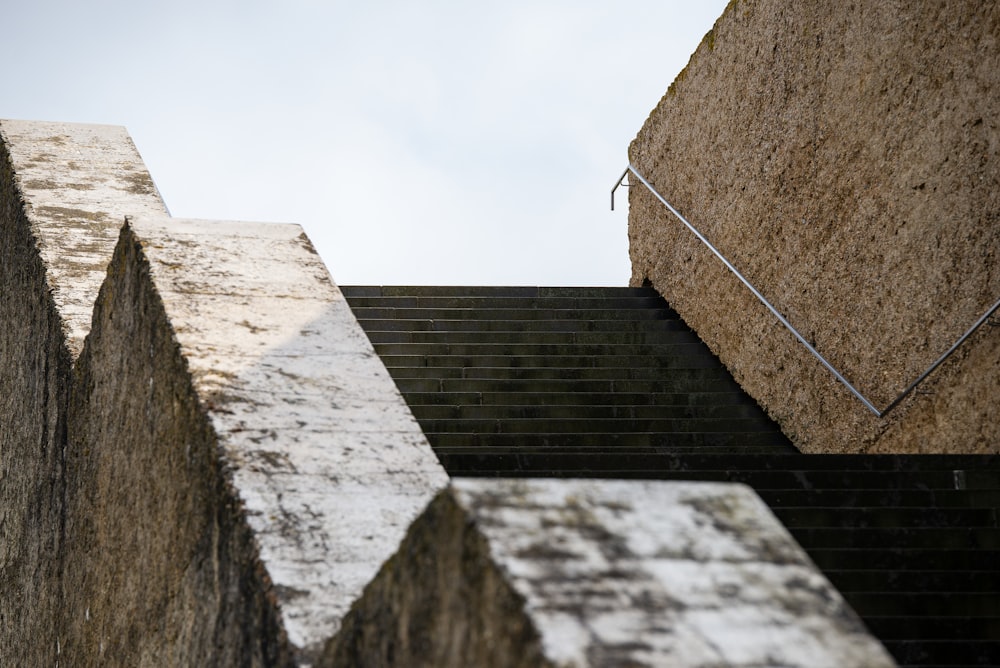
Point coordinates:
[(609, 443), (917, 498), (860, 518), (506, 315), (558, 353), (946, 581), (944, 652), (684, 356), (473, 302), (906, 627), (614, 426), (957, 538), (574, 461), (534, 381), (662, 336), (904, 558), (540, 379), (925, 604), (350, 291), (566, 324), (495, 412), (465, 400)]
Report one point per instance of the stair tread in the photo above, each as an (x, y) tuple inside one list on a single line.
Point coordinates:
[(492, 290), (577, 324)]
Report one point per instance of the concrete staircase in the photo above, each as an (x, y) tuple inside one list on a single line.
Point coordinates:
[(512, 371), (609, 382)]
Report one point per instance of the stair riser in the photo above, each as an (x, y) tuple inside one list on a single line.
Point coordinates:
[(608, 443), (540, 428), (583, 411), (497, 291), (878, 581), (686, 400), (528, 327), (511, 314), (667, 337), (886, 517), (560, 353), (684, 357), (466, 303)]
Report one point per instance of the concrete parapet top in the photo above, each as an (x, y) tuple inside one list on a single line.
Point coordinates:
[(657, 573), (325, 456), (77, 182), (601, 573)]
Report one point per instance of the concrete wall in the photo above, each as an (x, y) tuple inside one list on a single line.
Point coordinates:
[(846, 158), (208, 466), (600, 573), (64, 190)]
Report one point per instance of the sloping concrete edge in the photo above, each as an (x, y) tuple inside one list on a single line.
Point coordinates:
[(236, 439), (593, 573)]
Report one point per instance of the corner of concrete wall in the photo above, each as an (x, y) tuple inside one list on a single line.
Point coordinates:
[(160, 565), (440, 601), (846, 159), (33, 390), (64, 191), (595, 573), (240, 462), (208, 466)]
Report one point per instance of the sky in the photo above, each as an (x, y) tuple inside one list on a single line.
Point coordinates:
[(436, 142)]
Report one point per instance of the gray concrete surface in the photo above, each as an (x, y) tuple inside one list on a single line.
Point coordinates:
[(846, 158), (601, 573)]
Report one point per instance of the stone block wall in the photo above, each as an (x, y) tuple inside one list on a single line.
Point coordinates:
[(846, 158)]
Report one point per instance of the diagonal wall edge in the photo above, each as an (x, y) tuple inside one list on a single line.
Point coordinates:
[(66, 189), (77, 183), (237, 445), (845, 157), (514, 573)]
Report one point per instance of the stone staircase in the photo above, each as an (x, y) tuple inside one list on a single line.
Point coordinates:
[(609, 382)]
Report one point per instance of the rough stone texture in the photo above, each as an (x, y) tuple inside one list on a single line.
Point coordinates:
[(77, 182), (228, 464), (845, 157), (241, 464), (64, 191), (588, 573)]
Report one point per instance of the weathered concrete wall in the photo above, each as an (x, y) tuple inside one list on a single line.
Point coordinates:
[(844, 156), (64, 190), (227, 465), (600, 573), (240, 462)]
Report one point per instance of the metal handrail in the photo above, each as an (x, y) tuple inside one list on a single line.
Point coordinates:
[(729, 265)]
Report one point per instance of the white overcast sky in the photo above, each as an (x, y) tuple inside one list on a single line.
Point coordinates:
[(436, 142)]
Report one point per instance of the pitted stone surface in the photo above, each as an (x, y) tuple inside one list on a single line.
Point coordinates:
[(324, 454), (78, 182), (846, 158), (598, 573)]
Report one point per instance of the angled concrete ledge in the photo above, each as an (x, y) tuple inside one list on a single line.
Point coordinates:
[(598, 573), (76, 183), (237, 443)]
